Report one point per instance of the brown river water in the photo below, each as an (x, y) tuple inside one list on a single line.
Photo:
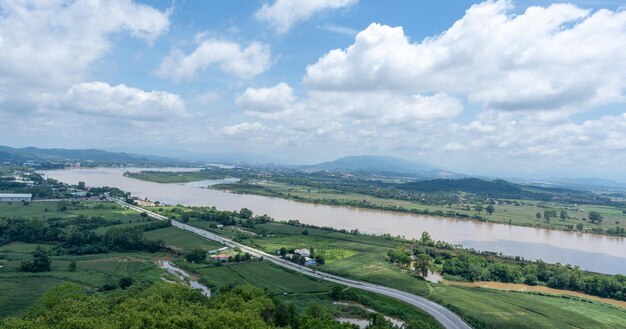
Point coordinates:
[(592, 252)]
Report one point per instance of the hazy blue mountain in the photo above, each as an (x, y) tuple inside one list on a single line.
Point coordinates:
[(218, 157), (589, 182), (379, 164), (57, 154)]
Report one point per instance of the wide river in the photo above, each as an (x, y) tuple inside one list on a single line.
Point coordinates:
[(591, 252)]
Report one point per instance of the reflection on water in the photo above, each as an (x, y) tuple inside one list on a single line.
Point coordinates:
[(184, 276), (593, 252)]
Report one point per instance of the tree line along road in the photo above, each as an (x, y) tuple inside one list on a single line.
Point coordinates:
[(447, 318)]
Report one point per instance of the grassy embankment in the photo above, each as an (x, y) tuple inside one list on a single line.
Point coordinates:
[(364, 258), (168, 177), (523, 215)]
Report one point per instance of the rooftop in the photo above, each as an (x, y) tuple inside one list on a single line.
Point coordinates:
[(16, 195)]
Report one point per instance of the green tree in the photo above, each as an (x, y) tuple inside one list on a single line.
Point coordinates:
[(479, 208), (245, 213), (538, 215), (549, 214), (320, 260), (125, 282), (491, 209), (426, 240), (563, 215), (336, 292), (72, 266), (595, 217), (81, 185), (400, 256), (40, 262), (196, 255), (423, 264)]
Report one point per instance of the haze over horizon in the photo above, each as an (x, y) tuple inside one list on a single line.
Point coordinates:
[(495, 88)]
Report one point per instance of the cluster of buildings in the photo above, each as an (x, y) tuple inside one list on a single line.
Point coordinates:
[(306, 253), (219, 254)]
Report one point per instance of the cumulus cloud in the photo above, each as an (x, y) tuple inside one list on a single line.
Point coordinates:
[(47, 47), (47, 44), (244, 129), (283, 14), (522, 75), (244, 63), (559, 57), (363, 110), (102, 99), (272, 99)]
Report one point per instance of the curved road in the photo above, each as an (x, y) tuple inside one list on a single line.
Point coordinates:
[(447, 318)]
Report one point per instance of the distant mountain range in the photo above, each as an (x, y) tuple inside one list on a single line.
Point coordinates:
[(383, 165), (56, 154), (589, 183), (363, 164), (233, 158)]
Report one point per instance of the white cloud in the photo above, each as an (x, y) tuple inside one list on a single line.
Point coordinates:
[(249, 129), (560, 57), (422, 108), (339, 29), (49, 44), (283, 14), (244, 63), (206, 98), (102, 99), (273, 99)]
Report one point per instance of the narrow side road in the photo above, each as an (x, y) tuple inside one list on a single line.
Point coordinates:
[(447, 318)]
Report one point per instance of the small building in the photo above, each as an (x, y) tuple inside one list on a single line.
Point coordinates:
[(221, 257), (215, 251), (303, 252), (7, 197), (79, 194)]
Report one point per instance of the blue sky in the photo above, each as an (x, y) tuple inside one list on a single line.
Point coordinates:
[(498, 88)]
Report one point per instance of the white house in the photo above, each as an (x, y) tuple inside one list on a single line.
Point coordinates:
[(302, 252), (15, 197)]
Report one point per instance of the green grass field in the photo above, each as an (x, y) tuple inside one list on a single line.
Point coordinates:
[(181, 239), (46, 209), (18, 293), (19, 289), (486, 308)]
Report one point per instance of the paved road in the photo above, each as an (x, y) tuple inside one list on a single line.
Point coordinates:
[(447, 318)]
